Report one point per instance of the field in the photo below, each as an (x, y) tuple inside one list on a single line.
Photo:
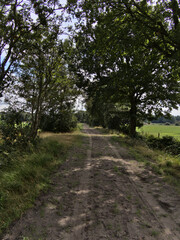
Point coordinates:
[(160, 130)]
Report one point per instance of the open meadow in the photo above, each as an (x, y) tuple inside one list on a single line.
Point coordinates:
[(160, 130)]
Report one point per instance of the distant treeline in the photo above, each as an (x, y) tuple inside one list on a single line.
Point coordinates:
[(171, 120)]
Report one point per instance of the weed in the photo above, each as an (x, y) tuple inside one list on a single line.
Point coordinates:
[(145, 225), (75, 184), (60, 209), (154, 233), (129, 197), (42, 212), (68, 229), (164, 215), (115, 209), (116, 169), (138, 212), (96, 185), (109, 226), (118, 228)]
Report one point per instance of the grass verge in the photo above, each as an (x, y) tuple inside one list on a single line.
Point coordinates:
[(160, 162), (29, 174)]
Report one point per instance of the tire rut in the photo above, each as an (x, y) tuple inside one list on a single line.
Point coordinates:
[(150, 219), (79, 216)]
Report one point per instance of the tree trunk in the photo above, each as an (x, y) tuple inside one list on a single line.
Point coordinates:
[(35, 125), (133, 118), (37, 115)]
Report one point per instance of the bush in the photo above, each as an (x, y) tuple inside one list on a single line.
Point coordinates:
[(15, 135), (61, 122), (166, 143), (118, 121)]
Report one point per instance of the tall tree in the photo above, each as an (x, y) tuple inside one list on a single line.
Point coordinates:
[(43, 83), (114, 55), (161, 18), (20, 22)]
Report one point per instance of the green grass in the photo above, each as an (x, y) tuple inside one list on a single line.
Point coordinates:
[(163, 130), (28, 174), (161, 163)]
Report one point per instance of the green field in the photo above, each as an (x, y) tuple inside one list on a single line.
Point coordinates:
[(162, 130)]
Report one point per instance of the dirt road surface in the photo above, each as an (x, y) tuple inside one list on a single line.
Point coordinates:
[(100, 193)]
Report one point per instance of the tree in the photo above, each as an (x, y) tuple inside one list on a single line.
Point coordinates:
[(114, 59), (43, 83), (20, 23), (162, 22), (161, 18)]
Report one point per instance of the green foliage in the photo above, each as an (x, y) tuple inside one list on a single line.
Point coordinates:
[(118, 120), (18, 30), (45, 85), (115, 64), (15, 135), (171, 119), (162, 23), (14, 132), (166, 143), (12, 116), (82, 116), (64, 121)]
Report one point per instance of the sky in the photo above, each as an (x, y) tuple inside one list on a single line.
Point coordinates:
[(176, 112)]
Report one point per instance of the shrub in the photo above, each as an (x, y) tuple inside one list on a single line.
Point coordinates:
[(60, 122), (166, 143), (15, 135)]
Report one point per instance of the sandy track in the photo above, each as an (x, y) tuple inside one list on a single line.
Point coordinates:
[(101, 193)]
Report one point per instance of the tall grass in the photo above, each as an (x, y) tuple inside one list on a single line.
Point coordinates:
[(24, 177)]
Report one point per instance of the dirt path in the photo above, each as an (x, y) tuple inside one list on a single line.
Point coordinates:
[(101, 193)]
